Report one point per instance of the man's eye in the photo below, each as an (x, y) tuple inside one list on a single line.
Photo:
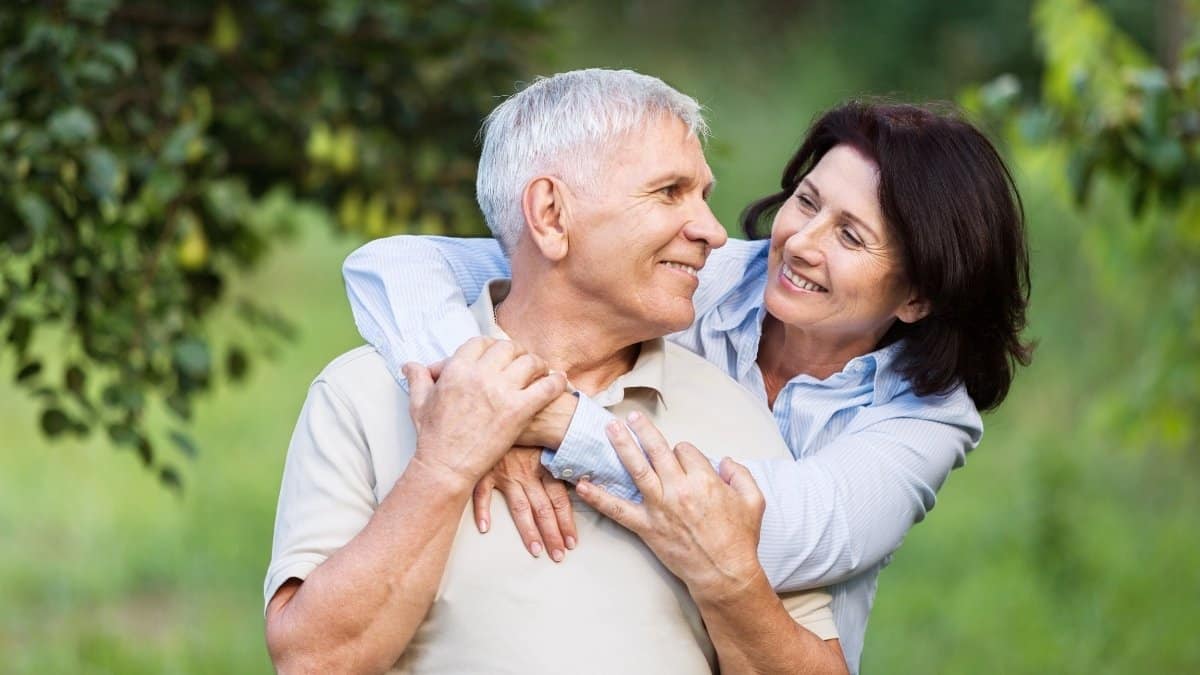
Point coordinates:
[(671, 191)]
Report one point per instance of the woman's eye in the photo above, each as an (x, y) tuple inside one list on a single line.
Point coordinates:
[(806, 202), (850, 238)]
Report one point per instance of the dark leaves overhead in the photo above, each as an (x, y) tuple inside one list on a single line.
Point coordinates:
[(148, 151)]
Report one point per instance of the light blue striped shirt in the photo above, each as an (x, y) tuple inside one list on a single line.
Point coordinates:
[(869, 454)]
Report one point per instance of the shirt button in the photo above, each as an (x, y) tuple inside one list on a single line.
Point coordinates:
[(586, 476), (567, 473)]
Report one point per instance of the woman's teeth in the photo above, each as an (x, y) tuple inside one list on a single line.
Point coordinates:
[(801, 282)]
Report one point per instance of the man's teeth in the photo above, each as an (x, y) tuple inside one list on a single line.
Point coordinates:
[(801, 282), (680, 266)]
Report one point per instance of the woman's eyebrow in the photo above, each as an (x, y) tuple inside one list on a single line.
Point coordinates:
[(811, 186)]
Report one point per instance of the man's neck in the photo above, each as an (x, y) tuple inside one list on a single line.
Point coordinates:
[(564, 329)]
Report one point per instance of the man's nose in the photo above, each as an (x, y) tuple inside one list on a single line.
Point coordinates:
[(705, 227)]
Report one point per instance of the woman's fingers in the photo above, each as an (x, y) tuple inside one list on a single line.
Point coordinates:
[(560, 499), (625, 513), (546, 520), (481, 499), (635, 461), (666, 465), (522, 515)]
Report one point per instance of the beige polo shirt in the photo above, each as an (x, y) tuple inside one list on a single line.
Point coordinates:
[(610, 607)]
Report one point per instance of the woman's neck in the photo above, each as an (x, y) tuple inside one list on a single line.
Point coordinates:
[(787, 351)]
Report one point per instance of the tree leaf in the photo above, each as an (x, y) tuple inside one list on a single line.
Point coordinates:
[(72, 126), (29, 371), (236, 363), (54, 422), (170, 478), (192, 357), (184, 443), (75, 378)]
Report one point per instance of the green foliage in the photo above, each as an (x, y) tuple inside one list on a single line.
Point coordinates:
[(1111, 114), (148, 153)]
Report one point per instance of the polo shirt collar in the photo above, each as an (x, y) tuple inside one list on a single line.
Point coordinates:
[(648, 372)]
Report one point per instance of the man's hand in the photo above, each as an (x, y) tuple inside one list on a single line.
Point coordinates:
[(485, 395), (539, 503), (702, 525)]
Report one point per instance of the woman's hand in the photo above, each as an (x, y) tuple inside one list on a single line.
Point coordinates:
[(539, 503), (703, 525)]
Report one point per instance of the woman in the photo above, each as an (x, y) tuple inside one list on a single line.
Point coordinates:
[(882, 313)]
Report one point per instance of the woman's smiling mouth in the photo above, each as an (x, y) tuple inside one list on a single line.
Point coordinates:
[(800, 282)]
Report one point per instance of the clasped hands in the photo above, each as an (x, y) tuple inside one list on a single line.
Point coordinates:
[(703, 524)]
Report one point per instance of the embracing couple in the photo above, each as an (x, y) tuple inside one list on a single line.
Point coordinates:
[(705, 449)]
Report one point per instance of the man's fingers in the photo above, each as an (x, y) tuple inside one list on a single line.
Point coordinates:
[(420, 384), (541, 392), (666, 465), (522, 515), (499, 354), (692, 460), (474, 348), (634, 460), (526, 369), (625, 513), (481, 499), (560, 499), (435, 369), (740, 479), (547, 523)]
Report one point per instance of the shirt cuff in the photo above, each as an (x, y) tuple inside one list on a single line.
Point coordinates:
[(586, 454)]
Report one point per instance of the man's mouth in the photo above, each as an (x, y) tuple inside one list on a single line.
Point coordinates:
[(688, 269), (800, 282)]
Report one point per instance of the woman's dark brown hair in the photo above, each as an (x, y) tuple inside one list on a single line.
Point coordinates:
[(954, 211)]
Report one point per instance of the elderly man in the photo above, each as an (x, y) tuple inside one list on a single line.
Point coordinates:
[(595, 184)]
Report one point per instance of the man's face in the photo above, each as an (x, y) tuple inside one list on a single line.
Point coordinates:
[(639, 239)]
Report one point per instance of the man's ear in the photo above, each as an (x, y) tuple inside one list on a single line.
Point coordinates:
[(914, 309), (546, 213)]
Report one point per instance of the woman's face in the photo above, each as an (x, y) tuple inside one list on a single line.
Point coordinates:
[(834, 271)]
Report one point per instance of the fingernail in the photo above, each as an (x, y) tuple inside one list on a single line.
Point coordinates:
[(535, 548), (583, 487), (557, 555), (483, 526), (634, 416), (613, 427), (571, 543)]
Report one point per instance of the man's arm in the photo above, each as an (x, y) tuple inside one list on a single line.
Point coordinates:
[(357, 610), (754, 634)]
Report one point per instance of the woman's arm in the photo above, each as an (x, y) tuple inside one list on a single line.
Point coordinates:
[(703, 526), (841, 509), (410, 295)]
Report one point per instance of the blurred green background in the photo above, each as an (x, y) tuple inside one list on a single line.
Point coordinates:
[(1066, 545)]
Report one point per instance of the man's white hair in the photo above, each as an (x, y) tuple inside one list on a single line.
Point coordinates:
[(564, 126)]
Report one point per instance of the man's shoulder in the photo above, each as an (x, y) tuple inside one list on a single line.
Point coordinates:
[(688, 371), (360, 374)]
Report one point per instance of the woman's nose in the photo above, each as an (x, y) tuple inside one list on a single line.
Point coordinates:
[(807, 243)]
